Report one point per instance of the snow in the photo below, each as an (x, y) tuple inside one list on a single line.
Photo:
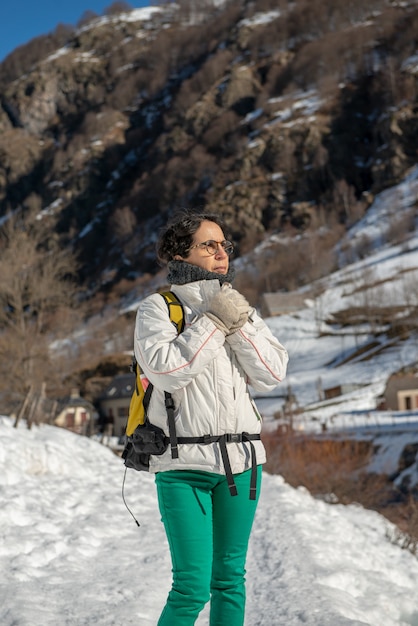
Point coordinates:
[(410, 64), (71, 554), (260, 18), (144, 14), (136, 15)]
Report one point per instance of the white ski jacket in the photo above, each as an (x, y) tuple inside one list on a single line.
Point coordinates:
[(208, 376)]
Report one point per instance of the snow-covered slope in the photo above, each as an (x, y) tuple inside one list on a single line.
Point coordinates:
[(71, 555), (387, 276)]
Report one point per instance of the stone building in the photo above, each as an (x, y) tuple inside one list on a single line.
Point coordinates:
[(401, 392)]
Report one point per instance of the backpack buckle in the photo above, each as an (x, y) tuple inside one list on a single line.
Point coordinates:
[(169, 402), (233, 437)]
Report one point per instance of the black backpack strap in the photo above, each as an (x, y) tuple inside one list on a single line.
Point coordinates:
[(227, 465), (237, 438), (147, 398), (223, 440), (253, 481), (169, 406)]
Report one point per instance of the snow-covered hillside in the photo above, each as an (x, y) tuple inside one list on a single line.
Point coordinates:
[(320, 351), (389, 275), (71, 555)]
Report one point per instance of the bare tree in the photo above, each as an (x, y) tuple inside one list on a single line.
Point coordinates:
[(87, 16), (409, 291), (36, 288), (118, 7), (344, 198)]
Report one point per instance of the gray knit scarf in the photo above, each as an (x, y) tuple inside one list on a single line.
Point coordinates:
[(181, 272)]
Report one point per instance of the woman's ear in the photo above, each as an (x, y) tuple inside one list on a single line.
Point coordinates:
[(177, 257)]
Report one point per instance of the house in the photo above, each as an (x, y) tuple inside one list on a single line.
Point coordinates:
[(282, 303), (75, 413), (114, 403), (401, 392)]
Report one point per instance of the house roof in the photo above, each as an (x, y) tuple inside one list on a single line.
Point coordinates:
[(121, 386), (409, 378), (72, 401)]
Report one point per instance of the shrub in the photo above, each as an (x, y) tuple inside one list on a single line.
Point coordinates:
[(321, 465), (334, 470)]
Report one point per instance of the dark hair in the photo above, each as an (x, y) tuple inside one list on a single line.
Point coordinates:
[(177, 236)]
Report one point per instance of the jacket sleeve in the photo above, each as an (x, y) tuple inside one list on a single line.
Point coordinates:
[(259, 353), (168, 360)]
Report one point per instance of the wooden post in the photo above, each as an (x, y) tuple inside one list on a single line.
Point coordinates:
[(23, 407)]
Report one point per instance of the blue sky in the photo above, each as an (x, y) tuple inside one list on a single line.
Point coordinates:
[(21, 20)]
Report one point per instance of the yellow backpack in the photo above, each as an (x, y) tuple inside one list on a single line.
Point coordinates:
[(142, 437)]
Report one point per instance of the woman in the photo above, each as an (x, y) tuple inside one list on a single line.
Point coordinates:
[(208, 495)]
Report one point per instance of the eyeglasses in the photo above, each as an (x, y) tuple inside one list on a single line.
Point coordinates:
[(212, 246)]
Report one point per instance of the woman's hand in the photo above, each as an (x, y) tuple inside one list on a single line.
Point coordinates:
[(228, 310)]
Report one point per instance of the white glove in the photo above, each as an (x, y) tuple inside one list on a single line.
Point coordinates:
[(228, 310), (242, 319)]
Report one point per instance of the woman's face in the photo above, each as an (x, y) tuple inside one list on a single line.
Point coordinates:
[(198, 255)]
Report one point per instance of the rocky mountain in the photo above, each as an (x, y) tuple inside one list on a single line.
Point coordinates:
[(286, 117)]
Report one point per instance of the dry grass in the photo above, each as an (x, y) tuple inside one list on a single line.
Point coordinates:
[(321, 465), (335, 470), (405, 534)]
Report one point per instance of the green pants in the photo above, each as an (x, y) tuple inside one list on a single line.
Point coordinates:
[(208, 532)]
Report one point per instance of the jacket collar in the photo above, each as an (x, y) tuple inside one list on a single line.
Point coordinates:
[(197, 293)]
